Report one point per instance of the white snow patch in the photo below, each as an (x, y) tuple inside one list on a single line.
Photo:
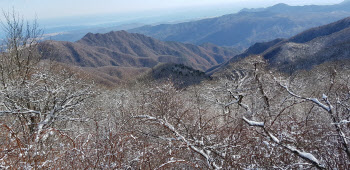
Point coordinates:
[(344, 122), (253, 123), (324, 97), (266, 143), (320, 104), (308, 156), (274, 138)]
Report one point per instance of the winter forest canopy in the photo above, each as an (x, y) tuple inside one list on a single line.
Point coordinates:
[(246, 116)]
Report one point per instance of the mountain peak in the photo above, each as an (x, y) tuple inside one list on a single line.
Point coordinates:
[(281, 5), (92, 35), (89, 35), (112, 38)]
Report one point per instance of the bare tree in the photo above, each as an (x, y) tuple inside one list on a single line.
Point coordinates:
[(298, 124), (19, 52), (36, 97)]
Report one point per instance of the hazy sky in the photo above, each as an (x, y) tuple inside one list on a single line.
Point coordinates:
[(63, 8)]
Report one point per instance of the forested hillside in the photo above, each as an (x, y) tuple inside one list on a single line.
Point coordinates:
[(117, 57)]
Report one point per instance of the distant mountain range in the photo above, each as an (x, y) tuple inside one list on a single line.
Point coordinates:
[(121, 55), (249, 25), (77, 34), (303, 51)]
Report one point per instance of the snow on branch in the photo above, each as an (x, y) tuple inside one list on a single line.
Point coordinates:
[(3, 113), (308, 156), (253, 123), (343, 122), (204, 153), (304, 155), (170, 162), (238, 100), (327, 107), (274, 138)]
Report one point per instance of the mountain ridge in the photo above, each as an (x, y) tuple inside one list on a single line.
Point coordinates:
[(312, 47), (110, 55), (249, 26), (121, 48)]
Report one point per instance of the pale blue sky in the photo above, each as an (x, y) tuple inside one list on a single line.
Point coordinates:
[(64, 8)]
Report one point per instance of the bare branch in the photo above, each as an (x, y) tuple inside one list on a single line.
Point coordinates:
[(304, 155), (204, 153)]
